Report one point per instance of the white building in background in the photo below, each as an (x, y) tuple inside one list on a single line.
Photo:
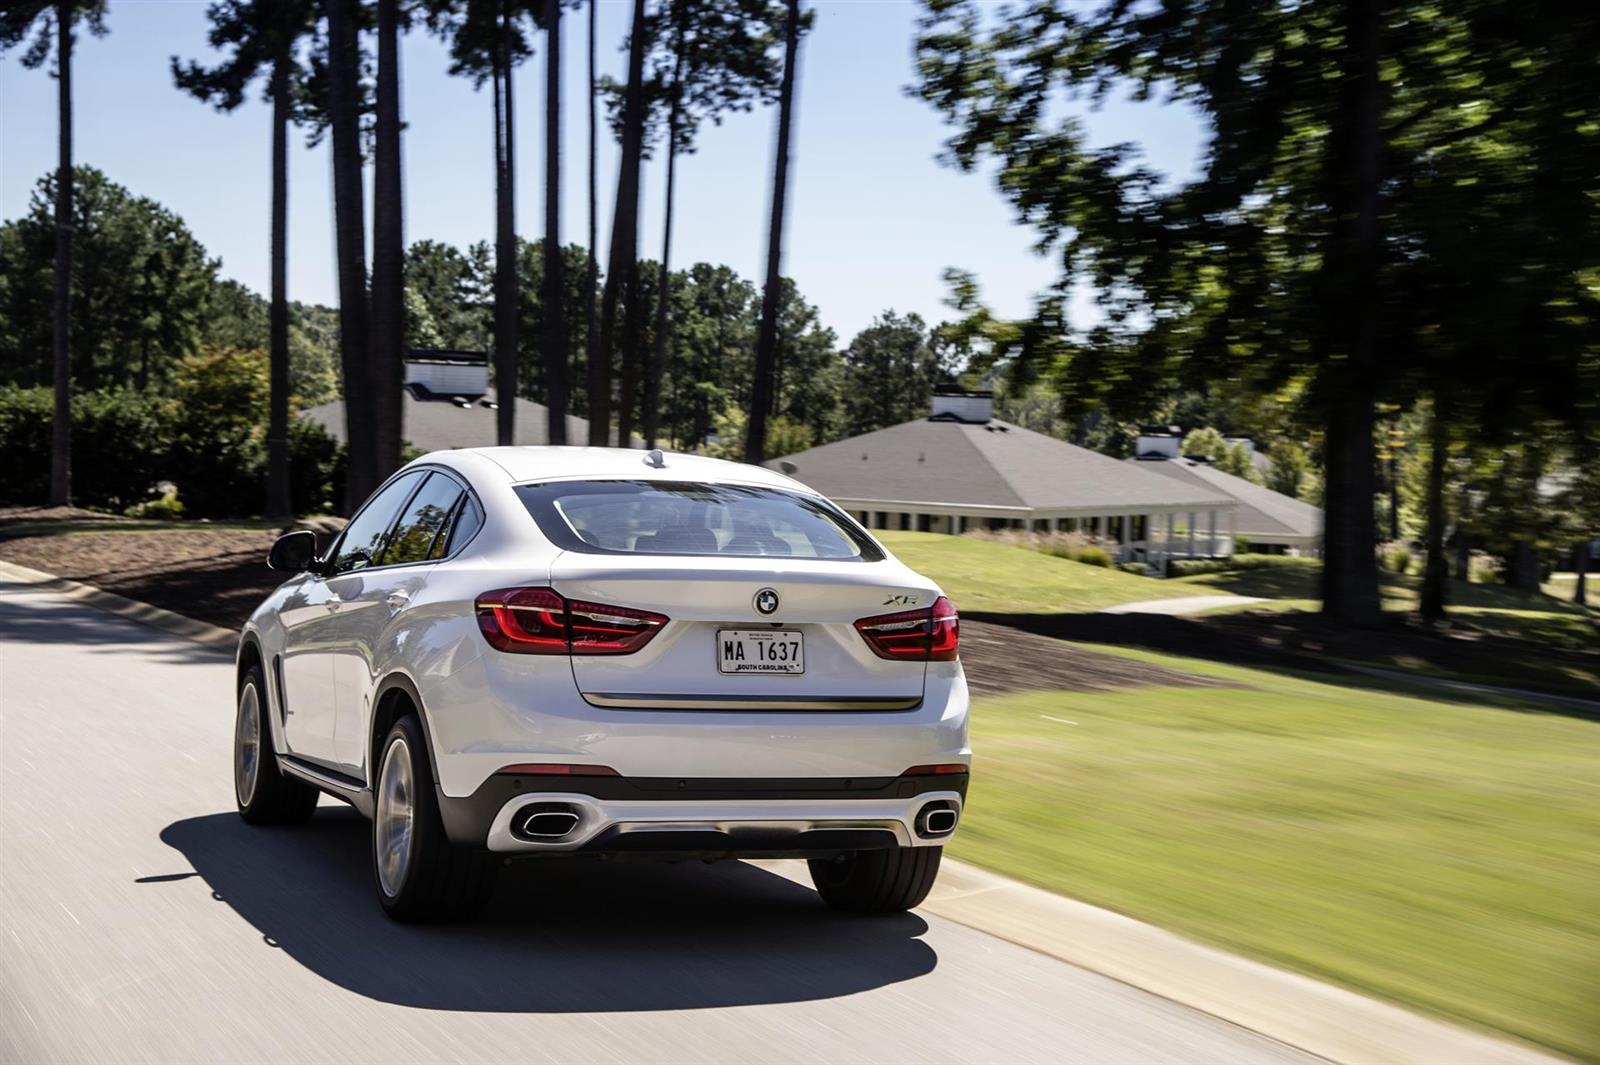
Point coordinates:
[(1264, 519), (960, 468)]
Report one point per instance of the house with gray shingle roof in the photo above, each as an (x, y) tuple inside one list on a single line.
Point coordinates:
[(961, 468), (446, 404), (1264, 518)]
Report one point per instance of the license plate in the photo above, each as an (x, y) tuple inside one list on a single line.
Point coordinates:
[(761, 651)]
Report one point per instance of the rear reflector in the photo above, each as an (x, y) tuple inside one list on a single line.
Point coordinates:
[(549, 769), (940, 770), (541, 621), (932, 635)]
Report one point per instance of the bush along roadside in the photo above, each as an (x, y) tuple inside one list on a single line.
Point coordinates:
[(205, 434), (1193, 567)]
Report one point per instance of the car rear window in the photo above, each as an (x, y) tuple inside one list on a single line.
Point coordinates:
[(690, 518)]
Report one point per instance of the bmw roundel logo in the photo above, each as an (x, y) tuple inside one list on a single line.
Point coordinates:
[(766, 601)]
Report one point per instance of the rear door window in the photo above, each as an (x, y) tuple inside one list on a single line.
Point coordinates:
[(423, 521), (687, 518), (464, 525)]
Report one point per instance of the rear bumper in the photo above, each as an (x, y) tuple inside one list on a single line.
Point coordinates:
[(499, 709), (724, 817)]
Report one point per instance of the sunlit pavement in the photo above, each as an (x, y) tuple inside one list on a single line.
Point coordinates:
[(140, 920)]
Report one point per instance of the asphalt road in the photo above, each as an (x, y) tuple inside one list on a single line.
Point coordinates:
[(141, 920)]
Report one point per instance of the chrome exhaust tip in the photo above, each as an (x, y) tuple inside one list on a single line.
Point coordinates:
[(936, 819), (546, 821)]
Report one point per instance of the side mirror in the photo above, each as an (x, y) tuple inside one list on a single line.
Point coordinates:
[(293, 552)]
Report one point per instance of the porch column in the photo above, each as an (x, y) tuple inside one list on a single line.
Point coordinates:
[(1211, 531), (1233, 531), (1192, 524)]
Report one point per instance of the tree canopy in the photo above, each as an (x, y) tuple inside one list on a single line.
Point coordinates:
[(1393, 201), (141, 286)]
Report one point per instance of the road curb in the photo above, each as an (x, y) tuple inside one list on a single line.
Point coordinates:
[(1299, 1011), (1321, 1019), (213, 636), (1318, 1018)]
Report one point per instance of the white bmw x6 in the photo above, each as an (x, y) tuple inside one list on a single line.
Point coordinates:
[(542, 652)]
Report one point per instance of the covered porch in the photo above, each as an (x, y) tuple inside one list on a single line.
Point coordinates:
[(1144, 534)]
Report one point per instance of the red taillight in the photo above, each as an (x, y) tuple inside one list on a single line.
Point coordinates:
[(944, 643), (540, 621), (528, 621), (550, 769), (932, 635), (598, 629)]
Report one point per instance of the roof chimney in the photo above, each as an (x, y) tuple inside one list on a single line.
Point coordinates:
[(952, 403)]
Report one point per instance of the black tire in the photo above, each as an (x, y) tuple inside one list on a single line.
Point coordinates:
[(268, 796), (438, 881), (880, 881)]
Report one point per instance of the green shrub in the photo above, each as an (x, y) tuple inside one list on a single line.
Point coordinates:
[(1193, 567), (118, 437), (165, 506), (25, 415), (207, 435), (1093, 556), (1395, 557), (317, 464), (1139, 569), (1484, 568)]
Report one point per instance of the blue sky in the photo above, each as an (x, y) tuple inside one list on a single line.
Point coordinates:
[(873, 219)]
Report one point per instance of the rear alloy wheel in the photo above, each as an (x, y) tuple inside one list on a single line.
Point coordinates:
[(420, 875), (264, 794), (878, 881)]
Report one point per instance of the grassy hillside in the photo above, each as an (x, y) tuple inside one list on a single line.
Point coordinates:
[(1428, 851), (980, 575)]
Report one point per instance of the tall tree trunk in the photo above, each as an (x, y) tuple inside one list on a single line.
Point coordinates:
[(1524, 574), (622, 269), (386, 368), (1349, 576), (658, 354), (591, 306), (755, 441), (60, 365), (279, 503), (1436, 571), (506, 282), (1580, 591), (349, 224), (553, 317)]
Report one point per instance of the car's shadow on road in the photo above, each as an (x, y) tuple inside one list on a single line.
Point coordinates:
[(558, 937)]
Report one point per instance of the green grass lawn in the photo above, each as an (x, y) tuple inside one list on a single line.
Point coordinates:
[(1440, 854), (984, 575)]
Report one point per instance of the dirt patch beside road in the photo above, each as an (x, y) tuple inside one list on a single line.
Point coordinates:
[(217, 577), (1303, 641), (1001, 659)]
